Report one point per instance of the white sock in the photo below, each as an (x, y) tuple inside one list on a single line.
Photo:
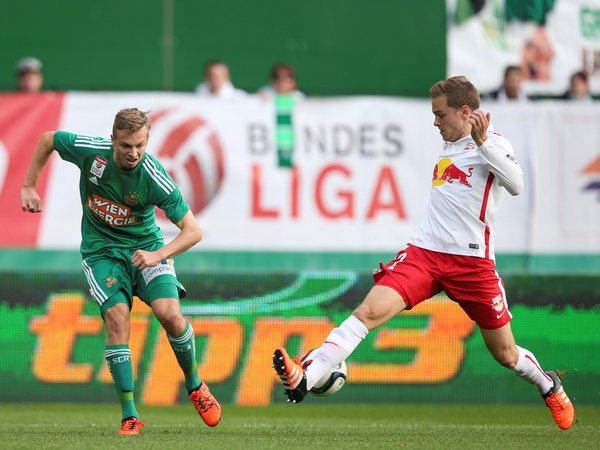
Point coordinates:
[(530, 370), (336, 348)]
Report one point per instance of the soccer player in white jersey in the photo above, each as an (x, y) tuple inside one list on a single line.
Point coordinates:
[(452, 250), (123, 249)]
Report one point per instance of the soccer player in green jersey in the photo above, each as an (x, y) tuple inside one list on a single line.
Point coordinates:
[(123, 250)]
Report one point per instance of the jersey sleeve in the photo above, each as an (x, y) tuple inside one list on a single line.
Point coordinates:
[(166, 193), (174, 206), (75, 148), (499, 156)]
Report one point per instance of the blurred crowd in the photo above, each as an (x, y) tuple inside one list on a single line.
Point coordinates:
[(217, 83), (511, 89)]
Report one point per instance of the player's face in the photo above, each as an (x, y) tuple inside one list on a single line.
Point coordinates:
[(452, 123), (217, 77), (129, 148)]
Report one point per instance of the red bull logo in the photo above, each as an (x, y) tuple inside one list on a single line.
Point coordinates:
[(445, 171)]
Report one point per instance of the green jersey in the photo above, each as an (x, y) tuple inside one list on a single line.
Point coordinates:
[(118, 206)]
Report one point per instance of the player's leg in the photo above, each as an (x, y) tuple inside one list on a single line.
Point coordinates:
[(118, 358), (380, 304), (385, 300), (180, 334), (501, 344), (164, 302), (477, 287), (108, 288)]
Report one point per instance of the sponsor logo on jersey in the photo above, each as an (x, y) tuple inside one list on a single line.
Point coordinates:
[(132, 198), (98, 166), (94, 180), (470, 146), (165, 267), (110, 281), (445, 171), (113, 214)]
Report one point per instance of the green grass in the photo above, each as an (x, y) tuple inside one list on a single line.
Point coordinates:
[(327, 426)]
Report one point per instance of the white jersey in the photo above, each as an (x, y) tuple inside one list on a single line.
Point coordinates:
[(468, 183)]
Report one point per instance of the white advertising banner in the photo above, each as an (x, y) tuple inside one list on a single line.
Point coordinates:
[(549, 45), (360, 181)]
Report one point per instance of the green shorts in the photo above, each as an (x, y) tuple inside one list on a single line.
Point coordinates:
[(113, 278)]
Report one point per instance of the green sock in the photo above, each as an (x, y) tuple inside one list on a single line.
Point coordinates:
[(184, 347), (118, 358)]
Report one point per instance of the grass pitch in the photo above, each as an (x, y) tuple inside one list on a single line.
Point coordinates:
[(327, 426)]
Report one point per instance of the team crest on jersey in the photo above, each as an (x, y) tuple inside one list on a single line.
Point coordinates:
[(132, 198), (110, 281), (98, 166)]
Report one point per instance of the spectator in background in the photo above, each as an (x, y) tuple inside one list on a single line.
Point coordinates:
[(579, 88), (512, 87), (29, 75), (282, 81), (217, 82)]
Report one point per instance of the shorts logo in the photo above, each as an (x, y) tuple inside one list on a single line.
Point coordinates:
[(165, 267), (98, 166), (110, 281), (94, 180), (498, 305)]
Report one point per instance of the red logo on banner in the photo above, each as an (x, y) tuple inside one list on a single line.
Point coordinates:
[(593, 169), (192, 154), (23, 119)]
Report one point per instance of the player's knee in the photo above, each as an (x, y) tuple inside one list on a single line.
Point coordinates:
[(173, 322), (116, 321), (506, 358), (368, 316)]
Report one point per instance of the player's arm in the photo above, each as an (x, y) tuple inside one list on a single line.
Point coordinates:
[(30, 200), (189, 235), (498, 155)]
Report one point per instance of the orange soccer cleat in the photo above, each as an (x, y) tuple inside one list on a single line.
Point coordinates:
[(131, 426), (559, 403), (292, 375), (207, 406)]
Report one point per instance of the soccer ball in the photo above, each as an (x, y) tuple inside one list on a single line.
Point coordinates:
[(332, 381)]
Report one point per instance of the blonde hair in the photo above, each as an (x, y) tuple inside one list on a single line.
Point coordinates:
[(458, 91), (131, 120)]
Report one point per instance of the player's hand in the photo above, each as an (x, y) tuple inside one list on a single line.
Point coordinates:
[(480, 121), (30, 200), (142, 259)]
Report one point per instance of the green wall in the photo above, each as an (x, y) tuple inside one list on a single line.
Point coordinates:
[(339, 47)]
